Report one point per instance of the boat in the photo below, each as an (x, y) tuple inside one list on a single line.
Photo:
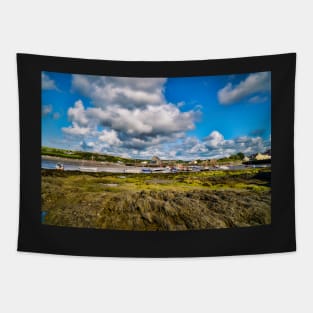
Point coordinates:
[(88, 169), (158, 169), (146, 170), (59, 167)]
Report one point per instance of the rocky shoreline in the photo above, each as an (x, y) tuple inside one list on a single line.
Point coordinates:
[(158, 202)]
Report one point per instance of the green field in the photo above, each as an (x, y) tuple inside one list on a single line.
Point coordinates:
[(177, 201), (83, 155)]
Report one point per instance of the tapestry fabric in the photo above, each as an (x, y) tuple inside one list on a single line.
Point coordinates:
[(156, 159)]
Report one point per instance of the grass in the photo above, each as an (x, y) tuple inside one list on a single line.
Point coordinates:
[(83, 155), (158, 201)]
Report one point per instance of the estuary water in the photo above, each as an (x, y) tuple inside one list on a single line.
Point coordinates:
[(74, 166)]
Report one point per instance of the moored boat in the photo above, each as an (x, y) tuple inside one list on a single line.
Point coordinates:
[(88, 169), (59, 167)]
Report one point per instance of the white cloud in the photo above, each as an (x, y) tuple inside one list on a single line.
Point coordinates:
[(46, 109), (76, 130), (77, 114), (131, 128), (87, 145), (257, 99), (254, 83), (110, 137), (214, 139), (123, 91), (80, 124), (47, 83), (134, 108), (216, 146), (151, 120), (131, 117)]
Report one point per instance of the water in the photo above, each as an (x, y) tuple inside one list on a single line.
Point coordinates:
[(50, 164), (69, 166)]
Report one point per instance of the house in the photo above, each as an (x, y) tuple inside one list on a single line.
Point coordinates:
[(261, 156), (181, 167), (156, 161)]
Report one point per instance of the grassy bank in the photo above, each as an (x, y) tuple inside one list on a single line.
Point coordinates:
[(83, 155), (177, 201)]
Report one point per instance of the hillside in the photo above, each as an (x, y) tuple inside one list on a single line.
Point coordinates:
[(83, 155)]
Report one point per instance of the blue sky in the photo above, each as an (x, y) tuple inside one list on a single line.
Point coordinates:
[(187, 118)]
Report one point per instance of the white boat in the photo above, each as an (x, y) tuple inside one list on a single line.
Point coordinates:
[(59, 167), (88, 169)]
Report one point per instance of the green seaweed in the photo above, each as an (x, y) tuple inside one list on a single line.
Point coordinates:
[(158, 201)]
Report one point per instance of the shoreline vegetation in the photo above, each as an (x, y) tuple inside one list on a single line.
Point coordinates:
[(98, 159), (158, 201), (80, 161), (79, 156)]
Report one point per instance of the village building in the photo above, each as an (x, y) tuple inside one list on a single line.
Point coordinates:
[(156, 161), (261, 156), (181, 167)]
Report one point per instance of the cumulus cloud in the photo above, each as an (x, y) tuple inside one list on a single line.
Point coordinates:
[(76, 130), (130, 117), (257, 99), (254, 83), (152, 120), (133, 110), (136, 129), (46, 109), (77, 114), (86, 145), (132, 113), (214, 139), (47, 83), (127, 92), (216, 146), (110, 137)]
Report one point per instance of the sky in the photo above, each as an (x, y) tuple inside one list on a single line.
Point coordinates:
[(187, 118)]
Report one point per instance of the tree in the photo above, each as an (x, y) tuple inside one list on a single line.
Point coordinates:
[(240, 155)]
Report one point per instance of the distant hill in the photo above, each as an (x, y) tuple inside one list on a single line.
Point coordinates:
[(83, 155)]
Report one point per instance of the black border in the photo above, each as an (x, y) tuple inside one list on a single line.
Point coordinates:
[(277, 237)]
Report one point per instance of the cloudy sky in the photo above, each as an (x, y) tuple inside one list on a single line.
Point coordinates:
[(174, 118)]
